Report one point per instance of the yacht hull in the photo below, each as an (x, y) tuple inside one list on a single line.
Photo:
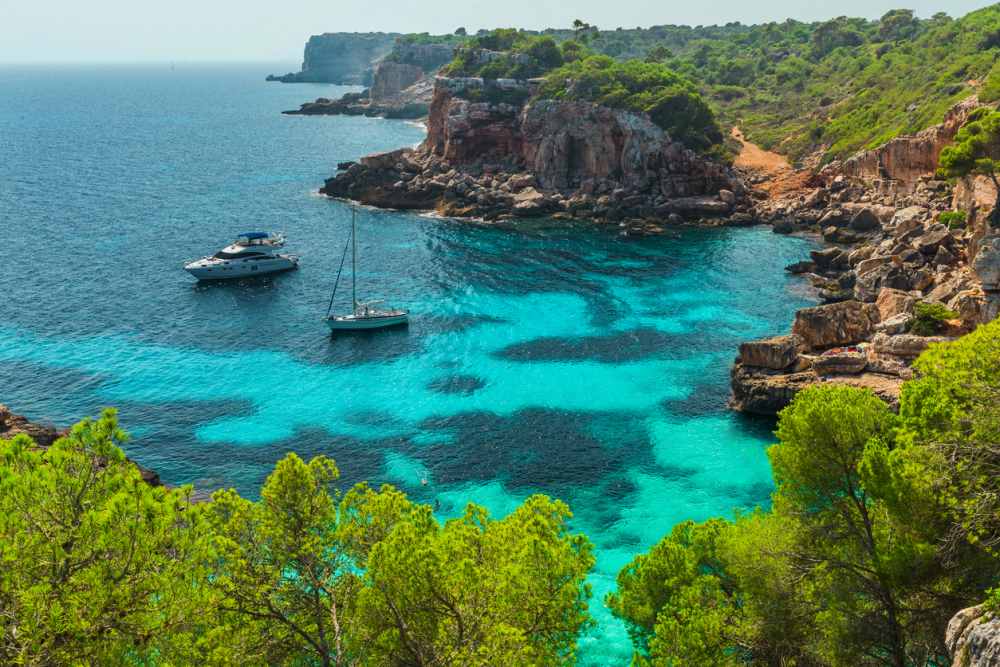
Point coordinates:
[(361, 323), (233, 269)]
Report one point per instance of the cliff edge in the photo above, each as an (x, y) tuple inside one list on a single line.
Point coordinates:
[(341, 57), (492, 151)]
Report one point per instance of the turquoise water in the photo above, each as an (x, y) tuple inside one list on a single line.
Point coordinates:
[(542, 357)]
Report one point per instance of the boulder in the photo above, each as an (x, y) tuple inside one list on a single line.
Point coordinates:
[(907, 219), (835, 324), (986, 265), (839, 362), (946, 290), (815, 199), (859, 255), (727, 196), (833, 217), (766, 392), (775, 353), (698, 206), (829, 258), (865, 220), (903, 346), (896, 324), (929, 242), (801, 267), (943, 257), (529, 202), (893, 302), (520, 181), (973, 638), (971, 306), (865, 266)]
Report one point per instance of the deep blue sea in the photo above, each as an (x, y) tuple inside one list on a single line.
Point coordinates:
[(547, 357)]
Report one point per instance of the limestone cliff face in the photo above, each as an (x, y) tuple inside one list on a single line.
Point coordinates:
[(341, 57), (566, 145), (462, 131), (908, 158), (390, 79), (428, 57)]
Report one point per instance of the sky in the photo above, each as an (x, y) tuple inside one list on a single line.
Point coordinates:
[(46, 31)]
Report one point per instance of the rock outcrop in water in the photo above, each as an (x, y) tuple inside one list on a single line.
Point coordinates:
[(402, 85), (44, 435), (886, 252), (341, 57), (489, 154)]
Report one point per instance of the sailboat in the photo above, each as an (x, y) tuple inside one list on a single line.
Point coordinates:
[(364, 315)]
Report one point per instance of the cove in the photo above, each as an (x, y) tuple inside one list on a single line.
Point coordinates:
[(542, 357)]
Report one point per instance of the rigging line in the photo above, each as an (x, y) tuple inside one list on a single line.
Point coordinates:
[(339, 271)]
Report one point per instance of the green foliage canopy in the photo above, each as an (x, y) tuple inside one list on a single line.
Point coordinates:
[(671, 101)]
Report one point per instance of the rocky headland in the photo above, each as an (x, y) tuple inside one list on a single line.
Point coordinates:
[(341, 58), (889, 259), (402, 85), (494, 152)]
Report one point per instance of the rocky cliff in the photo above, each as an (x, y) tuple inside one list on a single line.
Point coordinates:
[(489, 154), (903, 161), (392, 78), (402, 85), (341, 57), (887, 251)]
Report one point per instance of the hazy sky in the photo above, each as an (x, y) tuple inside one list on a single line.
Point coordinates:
[(192, 30)]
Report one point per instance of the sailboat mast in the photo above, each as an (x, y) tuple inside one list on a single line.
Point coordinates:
[(354, 259)]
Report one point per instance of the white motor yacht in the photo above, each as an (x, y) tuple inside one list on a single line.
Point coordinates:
[(252, 254)]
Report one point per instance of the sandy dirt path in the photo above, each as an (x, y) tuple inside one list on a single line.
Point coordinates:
[(779, 174)]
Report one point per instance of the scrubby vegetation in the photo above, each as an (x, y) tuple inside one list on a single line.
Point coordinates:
[(881, 527), (930, 318), (572, 72), (671, 101), (100, 568), (976, 151), (834, 86), (506, 54)]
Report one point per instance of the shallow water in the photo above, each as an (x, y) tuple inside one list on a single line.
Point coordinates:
[(542, 357)]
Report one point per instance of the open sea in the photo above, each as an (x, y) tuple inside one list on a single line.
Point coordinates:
[(542, 357)]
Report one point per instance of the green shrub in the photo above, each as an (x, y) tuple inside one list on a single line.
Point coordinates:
[(990, 92), (671, 100), (953, 219), (930, 318)]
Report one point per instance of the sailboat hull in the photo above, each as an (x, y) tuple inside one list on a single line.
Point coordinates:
[(363, 323)]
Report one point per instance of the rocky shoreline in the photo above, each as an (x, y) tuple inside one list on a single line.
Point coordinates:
[(43, 435), (888, 255), (489, 155)]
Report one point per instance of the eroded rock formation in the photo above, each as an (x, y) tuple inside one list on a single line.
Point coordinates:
[(973, 638), (488, 154), (905, 160)]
